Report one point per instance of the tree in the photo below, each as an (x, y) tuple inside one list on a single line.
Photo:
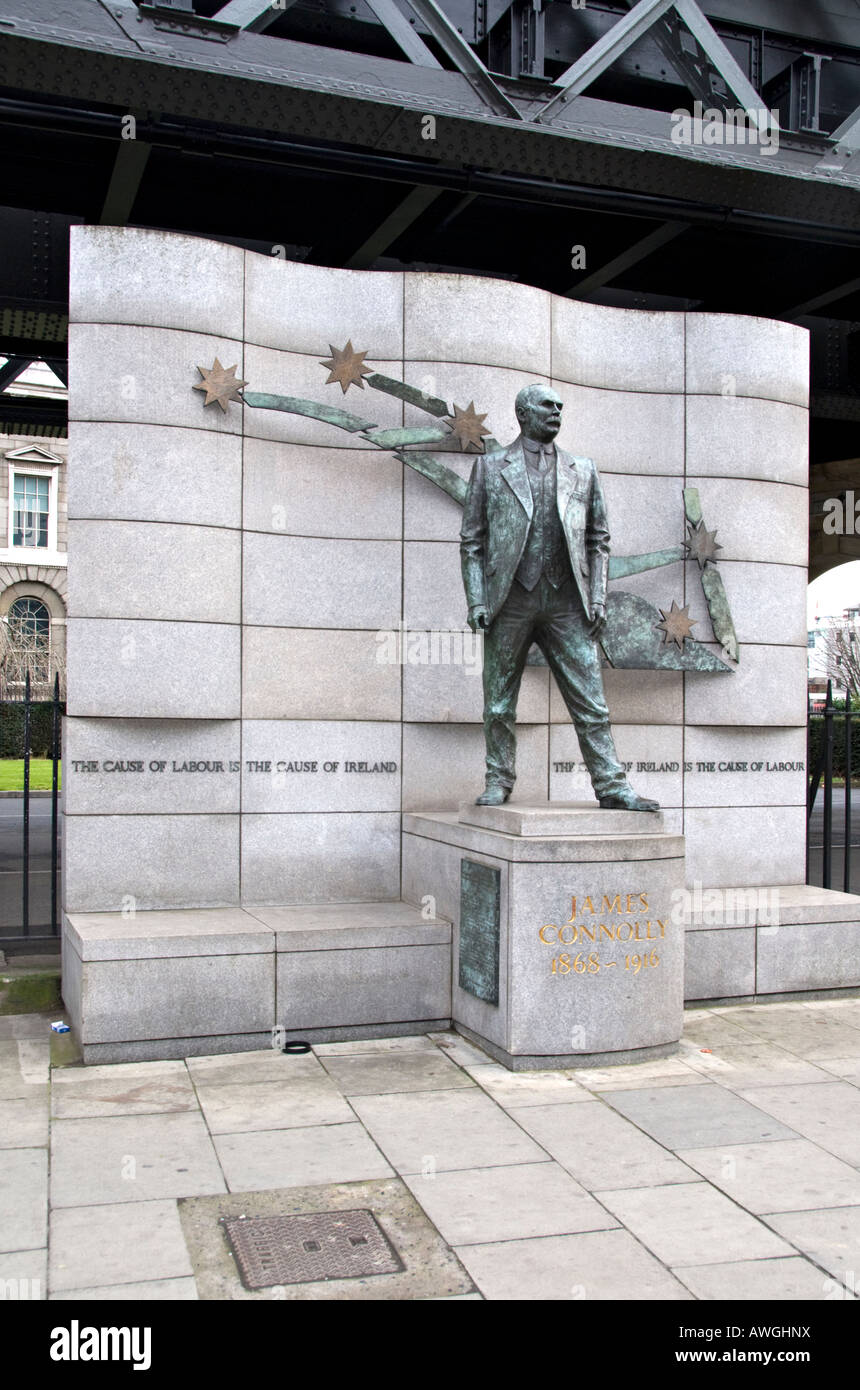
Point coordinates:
[(840, 655)]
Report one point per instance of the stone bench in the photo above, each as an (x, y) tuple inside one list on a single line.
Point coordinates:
[(188, 982)]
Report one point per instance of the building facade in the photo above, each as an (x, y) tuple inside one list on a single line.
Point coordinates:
[(33, 535)]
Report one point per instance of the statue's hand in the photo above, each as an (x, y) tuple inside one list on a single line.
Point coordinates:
[(598, 623), (478, 619)]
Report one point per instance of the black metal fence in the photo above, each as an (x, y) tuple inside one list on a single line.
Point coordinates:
[(830, 758), (29, 827)]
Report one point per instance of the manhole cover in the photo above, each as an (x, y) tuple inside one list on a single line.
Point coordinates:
[(272, 1250)]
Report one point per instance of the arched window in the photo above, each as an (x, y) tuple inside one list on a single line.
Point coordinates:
[(29, 642)]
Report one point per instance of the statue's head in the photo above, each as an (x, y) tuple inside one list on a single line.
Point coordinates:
[(539, 413)]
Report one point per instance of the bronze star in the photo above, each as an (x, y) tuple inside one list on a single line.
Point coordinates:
[(346, 366), (220, 384), (468, 426), (702, 545), (677, 624)]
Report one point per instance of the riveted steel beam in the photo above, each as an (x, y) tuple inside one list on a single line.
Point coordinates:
[(255, 15), (639, 251), (403, 33), (464, 58), (603, 54)]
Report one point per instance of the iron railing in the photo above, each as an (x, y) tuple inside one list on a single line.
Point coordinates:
[(821, 764), (20, 928)]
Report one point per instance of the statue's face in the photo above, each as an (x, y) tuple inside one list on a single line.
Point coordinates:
[(541, 418)]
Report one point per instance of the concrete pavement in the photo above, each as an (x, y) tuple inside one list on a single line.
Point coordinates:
[(731, 1171)]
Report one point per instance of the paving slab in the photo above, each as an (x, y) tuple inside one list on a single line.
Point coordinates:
[(33, 1027), (29, 1269), (512, 1089), (431, 1270), (828, 1114), (24, 1123), (831, 1238), (709, 1029), (408, 1043), (24, 1066), (663, 1071), (128, 1088), (23, 1199), (592, 1266), (600, 1148), (427, 1131), (692, 1224), (788, 1279), (687, 1117), (752, 1064), (131, 1158), (246, 1068), (846, 1068), (297, 1157), (808, 1031), (381, 1073), (150, 1291), (476, 1205), (122, 1243), (464, 1053), (782, 1175), (305, 1100)]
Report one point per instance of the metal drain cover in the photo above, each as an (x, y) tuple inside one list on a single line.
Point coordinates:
[(272, 1250)]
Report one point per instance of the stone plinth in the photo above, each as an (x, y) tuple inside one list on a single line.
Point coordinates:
[(568, 938)]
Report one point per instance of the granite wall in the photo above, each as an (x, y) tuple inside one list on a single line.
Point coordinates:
[(232, 574)]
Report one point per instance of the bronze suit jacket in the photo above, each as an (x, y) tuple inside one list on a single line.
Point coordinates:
[(497, 514)]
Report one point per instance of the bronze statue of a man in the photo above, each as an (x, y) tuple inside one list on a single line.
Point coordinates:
[(535, 555)]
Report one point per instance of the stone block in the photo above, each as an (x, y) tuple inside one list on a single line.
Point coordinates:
[(750, 845), (329, 673), (618, 349), (444, 764), (286, 301), (645, 513), (813, 955), (452, 691), (135, 569), (178, 997), (300, 374), (429, 514), (767, 602), (346, 926), (802, 903), (462, 318), (737, 354), (301, 581), (325, 989), (143, 277), (630, 432), (433, 596), (154, 471), (297, 490), (720, 964), (142, 862), (99, 936), (149, 766), (755, 520), (355, 766), (735, 436), (744, 767), (634, 697), (767, 687), (133, 668), (146, 376), (652, 756), (321, 857), (547, 822)]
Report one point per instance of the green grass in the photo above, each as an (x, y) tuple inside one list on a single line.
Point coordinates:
[(12, 774)]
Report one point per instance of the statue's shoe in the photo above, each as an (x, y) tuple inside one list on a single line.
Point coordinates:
[(495, 795), (628, 801)]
